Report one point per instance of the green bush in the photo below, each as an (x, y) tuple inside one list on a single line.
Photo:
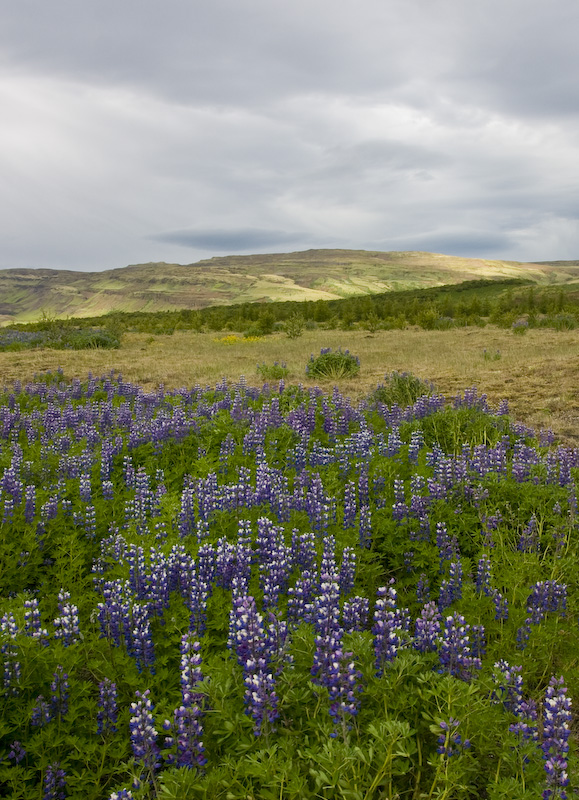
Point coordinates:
[(273, 371), (402, 389), (339, 364)]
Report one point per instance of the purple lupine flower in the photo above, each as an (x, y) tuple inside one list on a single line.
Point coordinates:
[(555, 744), (124, 794), (423, 589), (66, 625), (355, 614), (32, 622), (546, 596), (40, 713), (451, 589), (191, 673), (483, 575), (11, 666), (447, 545), (390, 622), (30, 504), (450, 741), (303, 549), (143, 733), (455, 650), (300, 598), (17, 752), (246, 632), (501, 606), (54, 782), (365, 527), (197, 605), (529, 537), (347, 571), (59, 693), (350, 505), (508, 690), (326, 609), (261, 700), (427, 628), (186, 732), (141, 640), (478, 641), (344, 684), (107, 707)]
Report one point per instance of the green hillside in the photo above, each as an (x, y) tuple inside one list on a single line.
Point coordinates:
[(25, 295)]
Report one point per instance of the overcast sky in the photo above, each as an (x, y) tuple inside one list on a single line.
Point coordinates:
[(175, 130)]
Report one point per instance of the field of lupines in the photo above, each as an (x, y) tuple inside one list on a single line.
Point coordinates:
[(240, 593)]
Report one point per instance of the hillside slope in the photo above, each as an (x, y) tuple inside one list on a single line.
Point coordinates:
[(27, 294)]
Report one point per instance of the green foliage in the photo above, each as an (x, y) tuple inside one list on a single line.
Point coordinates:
[(391, 746), (333, 365), (273, 371), (400, 388), (294, 326)]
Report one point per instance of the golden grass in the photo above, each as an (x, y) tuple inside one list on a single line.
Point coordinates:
[(538, 373)]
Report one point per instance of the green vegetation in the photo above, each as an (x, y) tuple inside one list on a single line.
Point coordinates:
[(232, 593), (510, 304), (293, 277), (333, 365)]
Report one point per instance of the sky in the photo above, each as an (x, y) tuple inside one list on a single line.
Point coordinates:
[(176, 130)]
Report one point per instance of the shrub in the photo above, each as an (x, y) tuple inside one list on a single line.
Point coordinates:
[(273, 371), (294, 326), (339, 364), (402, 389)]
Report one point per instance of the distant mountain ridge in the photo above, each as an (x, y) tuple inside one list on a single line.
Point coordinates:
[(27, 294)]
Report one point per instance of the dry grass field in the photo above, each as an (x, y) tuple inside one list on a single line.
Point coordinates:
[(538, 373)]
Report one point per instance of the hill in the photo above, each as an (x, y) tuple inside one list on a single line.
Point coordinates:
[(27, 294)]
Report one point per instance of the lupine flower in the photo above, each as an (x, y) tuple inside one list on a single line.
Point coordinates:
[(54, 782), (347, 571), (447, 545), (186, 733), (66, 625), (450, 741), (423, 589), (365, 527), (40, 713), (143, 734), (107, 707), (328, 630), (451, 589), (17, 752), (427, 628), (344, 684), (124, 794), (483, 575), (455, 649), (260, 697), (12, 670), (59, 693), (32, 622), (555, 744), (390, 622), (355, 614)]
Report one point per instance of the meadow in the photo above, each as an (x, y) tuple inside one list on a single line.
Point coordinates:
[(538, 373), (218, 587)]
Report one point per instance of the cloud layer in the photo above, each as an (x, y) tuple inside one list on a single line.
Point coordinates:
[(173, 131)]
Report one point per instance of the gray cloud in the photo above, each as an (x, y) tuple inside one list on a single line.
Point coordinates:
[(230, 240), (227, 126)]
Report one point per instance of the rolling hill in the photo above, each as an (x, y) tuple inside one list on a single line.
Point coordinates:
[(27, 294)]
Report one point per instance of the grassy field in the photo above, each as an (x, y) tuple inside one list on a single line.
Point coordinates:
[(538, 373)]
